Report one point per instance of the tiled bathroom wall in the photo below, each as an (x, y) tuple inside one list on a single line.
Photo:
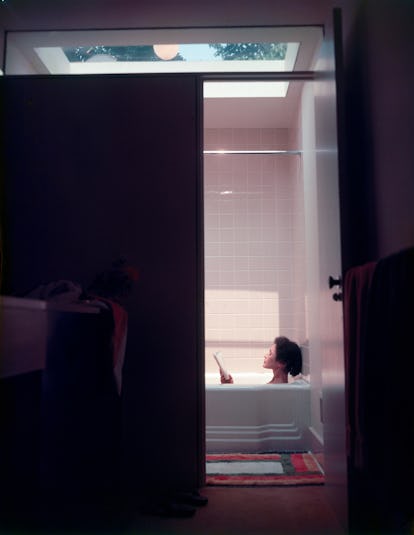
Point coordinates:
[(254, 246)]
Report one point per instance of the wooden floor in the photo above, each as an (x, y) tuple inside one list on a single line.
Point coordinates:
[(254, 511), (230, 511), (302, 510)]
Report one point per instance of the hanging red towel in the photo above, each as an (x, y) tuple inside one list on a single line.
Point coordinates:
[(119, 336), (357, 283)]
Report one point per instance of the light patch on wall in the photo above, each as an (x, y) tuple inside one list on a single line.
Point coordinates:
[(240, 316)]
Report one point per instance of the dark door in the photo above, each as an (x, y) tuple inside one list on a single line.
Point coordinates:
[(99, 167), (328, 152)]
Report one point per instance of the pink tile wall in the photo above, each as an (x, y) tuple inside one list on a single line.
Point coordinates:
[(254, 249)]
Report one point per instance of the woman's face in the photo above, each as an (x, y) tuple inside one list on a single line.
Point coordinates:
[(270, 358)]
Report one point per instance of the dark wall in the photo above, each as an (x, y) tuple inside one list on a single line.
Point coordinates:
[(378, 84), (377, 206), (95, 168)]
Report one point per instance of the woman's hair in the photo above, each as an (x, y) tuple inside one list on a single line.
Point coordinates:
[(289, 354)]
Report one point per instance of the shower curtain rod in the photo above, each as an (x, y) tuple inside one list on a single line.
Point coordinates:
[(298, 152)]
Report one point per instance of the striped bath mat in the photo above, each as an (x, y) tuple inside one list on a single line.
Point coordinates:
[(264, 469)]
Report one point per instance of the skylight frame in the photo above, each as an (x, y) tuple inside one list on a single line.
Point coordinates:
[(24, 45)]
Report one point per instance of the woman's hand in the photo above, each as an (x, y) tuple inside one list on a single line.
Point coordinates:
[(223, 380)]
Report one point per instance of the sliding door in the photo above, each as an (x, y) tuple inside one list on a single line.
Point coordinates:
[(101, 167)]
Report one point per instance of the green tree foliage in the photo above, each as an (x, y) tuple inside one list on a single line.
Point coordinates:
[(120, 53), (252, 51)]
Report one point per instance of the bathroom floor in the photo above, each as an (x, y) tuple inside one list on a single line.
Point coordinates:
[(230, 511), (301, 510), (256, 511)]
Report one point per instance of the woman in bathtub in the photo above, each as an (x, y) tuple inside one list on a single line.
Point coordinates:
[(283, 357)]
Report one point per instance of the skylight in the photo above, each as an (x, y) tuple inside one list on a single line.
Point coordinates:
[(186, 52), (163, 58), (245, 89)]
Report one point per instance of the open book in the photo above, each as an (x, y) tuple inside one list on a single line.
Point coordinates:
[(220, 362)]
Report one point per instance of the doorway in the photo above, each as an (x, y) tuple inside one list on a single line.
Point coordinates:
[(259, 228)]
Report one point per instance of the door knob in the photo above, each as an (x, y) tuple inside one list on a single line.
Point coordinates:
[(334, 282)]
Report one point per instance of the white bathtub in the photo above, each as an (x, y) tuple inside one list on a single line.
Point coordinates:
[(249, 416)]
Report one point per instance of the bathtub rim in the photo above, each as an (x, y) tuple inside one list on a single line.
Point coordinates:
[(236, 387), (257, 381)]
